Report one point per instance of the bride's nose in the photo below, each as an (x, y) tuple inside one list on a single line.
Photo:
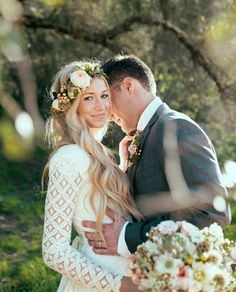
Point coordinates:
[(99, 104)]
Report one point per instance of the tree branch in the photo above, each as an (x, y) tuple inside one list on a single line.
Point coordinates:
[(101, 38), (106, 39), (164, 8), (216, 74)]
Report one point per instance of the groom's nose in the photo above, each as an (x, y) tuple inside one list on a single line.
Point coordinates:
[(112, 117)]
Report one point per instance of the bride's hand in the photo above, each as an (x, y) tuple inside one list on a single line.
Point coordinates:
[(123, 149)]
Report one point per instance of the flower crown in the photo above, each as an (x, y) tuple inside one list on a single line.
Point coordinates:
[(78, 81)]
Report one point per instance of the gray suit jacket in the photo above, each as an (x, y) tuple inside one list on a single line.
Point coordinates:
[(158, 194)]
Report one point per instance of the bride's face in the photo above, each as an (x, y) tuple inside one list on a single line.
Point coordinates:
[(94, 104)]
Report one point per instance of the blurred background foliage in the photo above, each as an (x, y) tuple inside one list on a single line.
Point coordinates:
[(189, 44)]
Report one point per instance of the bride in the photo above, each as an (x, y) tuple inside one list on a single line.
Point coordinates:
[(83, 181)]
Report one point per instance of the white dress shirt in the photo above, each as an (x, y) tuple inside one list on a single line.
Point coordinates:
[(142, 123)]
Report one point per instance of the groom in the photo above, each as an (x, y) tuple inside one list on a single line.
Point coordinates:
[(176, 177)]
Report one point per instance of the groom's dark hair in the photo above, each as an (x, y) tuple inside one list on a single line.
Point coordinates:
[(122, 66)]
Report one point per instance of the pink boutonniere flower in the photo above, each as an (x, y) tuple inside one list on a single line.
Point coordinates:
[(134, 148)]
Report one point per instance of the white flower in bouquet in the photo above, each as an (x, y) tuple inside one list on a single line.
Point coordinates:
[(184, 279), (192, 231), (219, 277), (233, 253), (218, 232), (188, 228), (151, 247), (191, 249), (215, 233), (214, 256), (183, 244), (166, 264), (179, 257), (194, 286), (168, 227), (202, 272)]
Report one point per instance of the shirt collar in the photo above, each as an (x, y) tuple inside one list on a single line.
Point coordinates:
[(148, 113)]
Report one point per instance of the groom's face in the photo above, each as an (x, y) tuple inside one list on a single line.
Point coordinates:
[(122, 110)]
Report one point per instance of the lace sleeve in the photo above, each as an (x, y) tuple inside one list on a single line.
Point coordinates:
[(58, 254)]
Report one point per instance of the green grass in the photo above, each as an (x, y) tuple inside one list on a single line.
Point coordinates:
[(21, 221)]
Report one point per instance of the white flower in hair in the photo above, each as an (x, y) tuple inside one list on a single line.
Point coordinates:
[(55, 105), (80, 78)]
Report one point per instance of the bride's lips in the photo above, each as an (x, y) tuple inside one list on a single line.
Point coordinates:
[(99, 116)]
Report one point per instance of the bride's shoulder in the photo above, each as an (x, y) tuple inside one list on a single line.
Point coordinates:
[(70, 155), (70, 149)]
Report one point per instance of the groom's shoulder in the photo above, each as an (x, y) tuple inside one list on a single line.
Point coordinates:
[(182, 122), (168, 115)]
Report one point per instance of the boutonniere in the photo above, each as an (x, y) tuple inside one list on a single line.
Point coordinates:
[(134, 148)]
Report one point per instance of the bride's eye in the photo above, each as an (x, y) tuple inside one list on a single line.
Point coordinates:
[(104, 96), (89, 97)]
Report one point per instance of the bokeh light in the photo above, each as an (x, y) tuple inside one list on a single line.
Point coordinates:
[(8, 12), (219, 203), (53, 3), (227, 181), (230, 169), (24, 125)]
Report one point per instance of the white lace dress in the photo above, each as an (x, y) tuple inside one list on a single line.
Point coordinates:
[(67, 204)]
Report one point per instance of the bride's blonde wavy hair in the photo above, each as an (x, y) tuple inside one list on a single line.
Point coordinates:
[(104, 174)]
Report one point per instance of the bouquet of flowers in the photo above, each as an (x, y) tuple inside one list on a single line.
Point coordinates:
[(177, 256)]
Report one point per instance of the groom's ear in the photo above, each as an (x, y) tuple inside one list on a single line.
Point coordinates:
[(129, 84)]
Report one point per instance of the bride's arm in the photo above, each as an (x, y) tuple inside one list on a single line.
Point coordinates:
[(58, 254)]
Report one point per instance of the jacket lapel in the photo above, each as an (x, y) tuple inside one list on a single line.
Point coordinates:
[(132, 169)]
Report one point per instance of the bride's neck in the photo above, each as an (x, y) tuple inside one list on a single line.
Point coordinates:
[(97, 133), (94, 131)]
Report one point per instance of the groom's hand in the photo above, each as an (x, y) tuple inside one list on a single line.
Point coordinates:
[(128, 285), (110, 232)]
